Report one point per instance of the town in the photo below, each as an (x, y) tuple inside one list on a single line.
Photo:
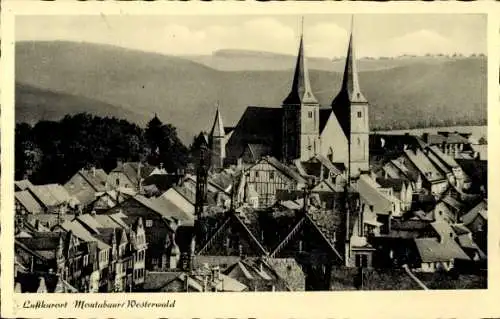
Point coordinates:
[(300, 197)]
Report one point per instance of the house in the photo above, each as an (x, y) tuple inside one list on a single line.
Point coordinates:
[(437, 254), (130, 244), (41, 283), (26, 204), (257, 275), (301, 129), (380, 201), (401, 189), (130, 175), (476, 220), (62, 254), (433, 179), (86, 183), (199, 281), (53, 198), (178, 201), (269, 175), (22, 185), (450, 143), (157, 223)]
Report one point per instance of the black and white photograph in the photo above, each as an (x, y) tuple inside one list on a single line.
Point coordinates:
[(250, 153)]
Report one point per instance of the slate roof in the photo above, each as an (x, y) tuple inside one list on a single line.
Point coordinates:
[(431, 250), (258, 125), (153, 205), (324, 116), (82, 233), (27, 200)]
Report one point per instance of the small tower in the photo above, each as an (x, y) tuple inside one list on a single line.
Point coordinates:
[(217, 141), (300, 114), (351, 109)]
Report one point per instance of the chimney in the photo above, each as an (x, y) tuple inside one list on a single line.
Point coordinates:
[(425, 137), (161, 165), (93, 171)]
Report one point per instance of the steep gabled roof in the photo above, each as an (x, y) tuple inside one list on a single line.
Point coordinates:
[(301, 91), (28, 202), (218, 127), (350, 91), (257, 125)]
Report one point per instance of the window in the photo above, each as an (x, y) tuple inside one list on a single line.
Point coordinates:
[(149, 223), (271, 175), (310, 114), (361, 261), (360, 114), (256, 174), (117, 182)]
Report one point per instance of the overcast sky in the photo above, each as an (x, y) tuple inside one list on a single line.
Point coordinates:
[(325, 35)]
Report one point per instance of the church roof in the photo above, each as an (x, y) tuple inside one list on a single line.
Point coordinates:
[(258, 125), (350, 91), (218, 127), (301, 91)]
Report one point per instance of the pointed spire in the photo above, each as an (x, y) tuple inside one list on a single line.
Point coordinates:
[(218, 127), (301, 87), (350, 91), (350, 82)]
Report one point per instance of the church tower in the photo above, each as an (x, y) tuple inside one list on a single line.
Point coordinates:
[(218, 142), (300, 115), (351, 109)]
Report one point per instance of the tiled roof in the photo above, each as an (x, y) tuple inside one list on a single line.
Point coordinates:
[(285, 169), (460, 229), (153, 205), (28, 202), (480, 209), (431, 250), (172, 210), (449, 161), (97, 178), (156, 280), (424, 165), (453, 202), (23, 184), (369, 192), (130, 169), (395, 183), (258, 151), (82, 233), (51, 194), (444, 230)]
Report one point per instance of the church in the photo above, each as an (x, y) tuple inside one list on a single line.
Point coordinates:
[(301, 129)]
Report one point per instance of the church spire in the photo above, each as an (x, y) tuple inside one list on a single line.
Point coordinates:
[(350, 91), (350, 82), (301, 87), (218, 127)]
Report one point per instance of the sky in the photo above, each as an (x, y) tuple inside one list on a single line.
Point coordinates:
[(324, 35)]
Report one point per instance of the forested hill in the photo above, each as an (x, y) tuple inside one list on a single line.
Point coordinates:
[(53, 151), (184, 92)]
